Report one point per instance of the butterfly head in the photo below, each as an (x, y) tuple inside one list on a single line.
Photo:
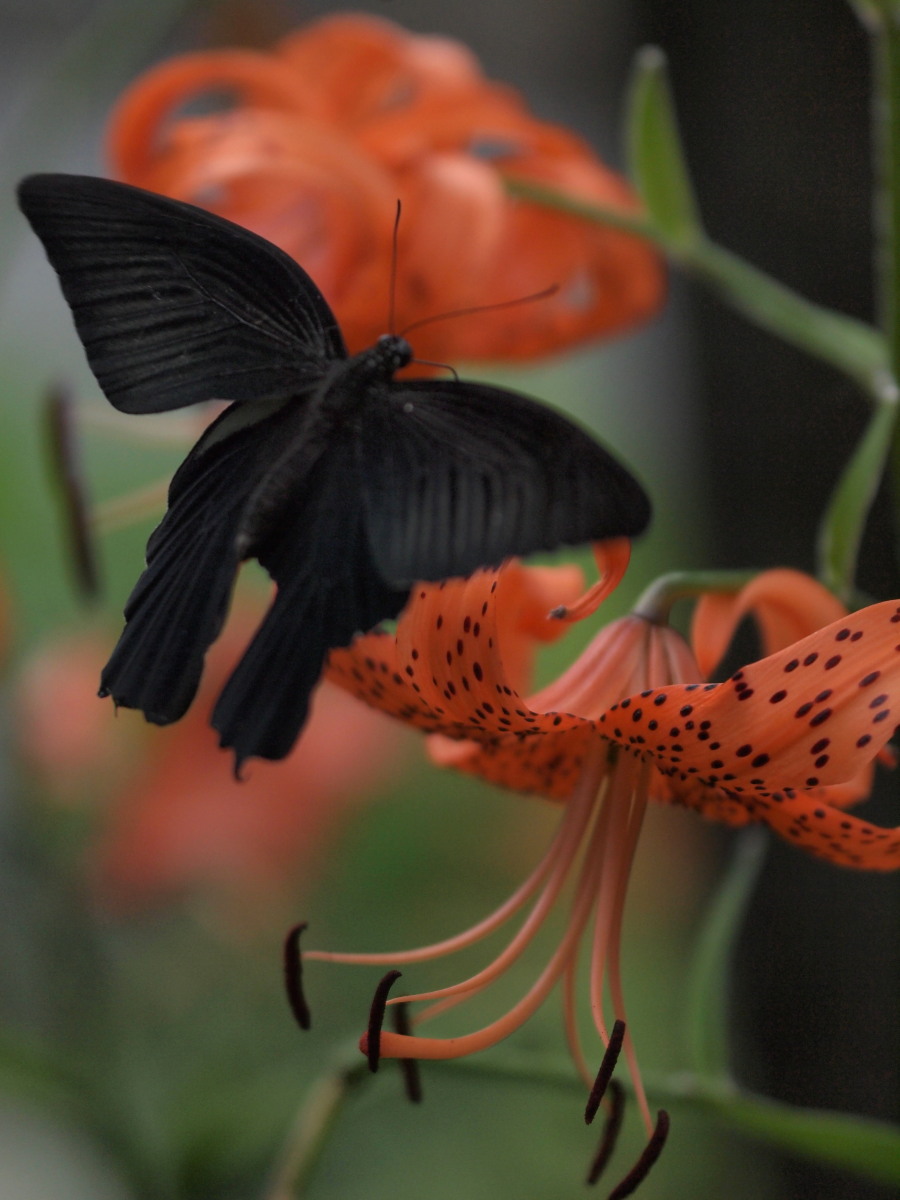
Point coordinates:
[(390, 353)]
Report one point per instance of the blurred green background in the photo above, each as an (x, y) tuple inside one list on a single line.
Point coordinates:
[(152, 1054)]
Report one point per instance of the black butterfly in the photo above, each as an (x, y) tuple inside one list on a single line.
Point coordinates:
[(345, 484)]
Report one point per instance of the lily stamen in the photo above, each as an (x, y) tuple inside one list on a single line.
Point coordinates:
[(293, 976), (615, 1103), (409, 1068), (641, 1168), (376, 1019), (604, 1075)]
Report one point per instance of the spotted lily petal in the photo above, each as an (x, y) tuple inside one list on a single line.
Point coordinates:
[(773, 735)]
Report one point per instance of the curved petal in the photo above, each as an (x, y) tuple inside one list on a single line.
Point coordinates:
[(420, 675), (781, 731), (787, 605), (138, 130), (360, 66)]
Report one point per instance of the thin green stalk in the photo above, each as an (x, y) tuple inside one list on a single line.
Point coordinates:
[(883, 22), (311, 1132), (850, 345)]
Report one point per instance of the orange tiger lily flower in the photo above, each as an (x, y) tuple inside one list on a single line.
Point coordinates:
[(629, 722), (349, 114)]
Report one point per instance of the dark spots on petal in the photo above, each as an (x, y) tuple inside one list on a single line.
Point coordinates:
[(778, 696), (820, 717), (881, 716), (637, 714), (804, 709), (685, 710), (820, 745), (792, 665), (477, 671), (823, 696), (653, 725), (760, 760), (717, 764), (842, 635), (810, 658), (820, 762), (660, 699), (869, 679), (743, 751), (856, 636), (878, 701), (812, 781), (832, 662), (476, 629), (439, 622), (746, 693), (626, 703)]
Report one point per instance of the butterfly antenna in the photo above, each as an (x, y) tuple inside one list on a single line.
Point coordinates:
[(392, 302), (426, 362), (478, 308)]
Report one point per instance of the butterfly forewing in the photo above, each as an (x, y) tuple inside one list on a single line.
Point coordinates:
[(174, 305), (460, 475)]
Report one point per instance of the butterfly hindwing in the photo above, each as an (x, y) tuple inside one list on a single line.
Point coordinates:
[(461, 475), (327, 591), (175, 305), (180, 600)]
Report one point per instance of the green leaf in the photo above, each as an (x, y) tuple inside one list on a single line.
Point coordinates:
[(844, 520), (657, 161)]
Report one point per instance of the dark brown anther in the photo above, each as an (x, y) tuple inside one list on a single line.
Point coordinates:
[(607, 1066), (412, 1079), (641, 1168), (293, 976), (616, 1103), (66, 467), (376, 1018)]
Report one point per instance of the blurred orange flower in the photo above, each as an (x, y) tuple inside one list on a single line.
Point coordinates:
[(321, 136), (174, 818)]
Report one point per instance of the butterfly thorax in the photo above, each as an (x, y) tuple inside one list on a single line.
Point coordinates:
[(339, 404), (379, 363)]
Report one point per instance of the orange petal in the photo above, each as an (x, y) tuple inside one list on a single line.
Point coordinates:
[(787, 605), (360, 66), (456, 644), (807, 718), (138, 131)]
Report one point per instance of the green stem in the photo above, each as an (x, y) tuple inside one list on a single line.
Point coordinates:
[(313, 1127), (709, 991), (884, 28), (846, 343), (869, 1148), (655, 603)]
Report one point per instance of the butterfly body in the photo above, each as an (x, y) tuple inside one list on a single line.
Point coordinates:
[(347, 484)]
